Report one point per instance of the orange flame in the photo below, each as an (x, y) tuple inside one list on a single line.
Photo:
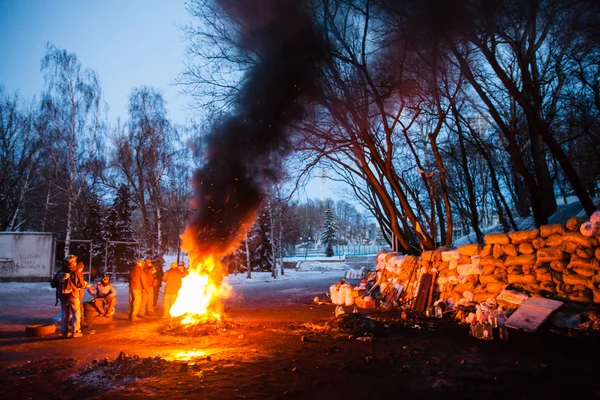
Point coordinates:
[(202, 289)]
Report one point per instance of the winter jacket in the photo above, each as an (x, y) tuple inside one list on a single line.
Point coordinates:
[(158, 275), (138, 279), (173, 281), (101, 291)]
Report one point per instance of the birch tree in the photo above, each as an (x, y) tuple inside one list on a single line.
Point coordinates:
[(72, 109)]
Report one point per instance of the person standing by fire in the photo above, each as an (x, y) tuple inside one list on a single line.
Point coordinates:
[(172, 279), (157, 281), (147, 306), (68, 284), (138, 285)]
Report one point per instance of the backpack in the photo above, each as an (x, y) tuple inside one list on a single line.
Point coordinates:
[(63, 284)]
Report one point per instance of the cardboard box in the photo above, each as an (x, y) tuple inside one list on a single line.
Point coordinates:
[(362, 303)]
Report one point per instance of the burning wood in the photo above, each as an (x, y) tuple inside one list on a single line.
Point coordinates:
[(210, 326)]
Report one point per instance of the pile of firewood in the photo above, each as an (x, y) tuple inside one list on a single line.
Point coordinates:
[(560, 261)]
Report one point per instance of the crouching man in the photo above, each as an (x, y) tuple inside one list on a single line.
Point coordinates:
[(105, 296)]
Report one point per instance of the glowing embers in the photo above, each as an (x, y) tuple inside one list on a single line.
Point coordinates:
[(199, 299)]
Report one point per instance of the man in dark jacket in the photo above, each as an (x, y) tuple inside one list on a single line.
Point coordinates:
[(138, 286), (68, 284), (172, 279)]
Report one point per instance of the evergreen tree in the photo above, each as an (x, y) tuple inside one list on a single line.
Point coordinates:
[(329, 231), (263, 253), (118, 227)]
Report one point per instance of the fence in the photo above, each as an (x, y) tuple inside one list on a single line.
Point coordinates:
[(338, 250)]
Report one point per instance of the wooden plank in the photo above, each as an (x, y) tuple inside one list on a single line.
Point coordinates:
[(421, 302), (431, 289)]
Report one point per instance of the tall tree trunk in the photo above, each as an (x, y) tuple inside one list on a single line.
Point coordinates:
[(248, 265), (468, 180)]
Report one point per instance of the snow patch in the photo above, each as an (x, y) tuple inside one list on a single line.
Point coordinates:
[(321, 266)]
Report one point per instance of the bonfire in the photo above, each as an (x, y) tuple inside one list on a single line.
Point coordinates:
[(199, 301)]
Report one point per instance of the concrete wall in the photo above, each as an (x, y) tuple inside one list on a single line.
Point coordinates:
[(25, 256)]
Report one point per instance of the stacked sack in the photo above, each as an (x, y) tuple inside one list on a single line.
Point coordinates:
[(398, 269), (561, 261)]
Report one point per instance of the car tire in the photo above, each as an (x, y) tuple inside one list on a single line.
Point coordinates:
[(40, 330)]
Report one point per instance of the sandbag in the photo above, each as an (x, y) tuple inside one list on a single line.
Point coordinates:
[(483, 296), (501, 273), (452, 264), (574, 223), (469, 250), (410, 262), (464, 260), (547, 286), (596, 278), (585, 252), (450, 255), (480, 289), (498, 251), (538, 243), (495, 287), (487, 279), (568, 247), (588, 229), (595, 218), (437, 255), (543, 269), (427, 255), (549, 254), (597, 253), (496, 238), (581, 297), (589, 263), (574, 279), (442, 265), (549, 230), (473, 278), (487, 250), (557, 277), (547, 277), (515, 270), (553, 241), (596, 295), (464, 287), (558, 265), (526, 248), (523, 259), (578, 238), (496, 262), (510, 249), (521, 279), (585, 272), (528, 269), (469, 269), (488, 269), (523, 236)]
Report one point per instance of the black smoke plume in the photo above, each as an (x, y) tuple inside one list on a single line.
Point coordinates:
[(244, 151)]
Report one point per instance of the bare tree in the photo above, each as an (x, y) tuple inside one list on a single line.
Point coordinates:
[(72, 109)]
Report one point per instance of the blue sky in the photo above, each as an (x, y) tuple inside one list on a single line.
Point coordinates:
[(129, 43)]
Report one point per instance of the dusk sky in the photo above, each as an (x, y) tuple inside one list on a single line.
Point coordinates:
[(129, 43)]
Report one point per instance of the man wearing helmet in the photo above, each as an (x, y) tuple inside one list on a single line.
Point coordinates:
[(105, 296)]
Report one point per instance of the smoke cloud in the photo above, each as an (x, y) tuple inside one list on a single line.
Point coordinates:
[(244, 151)]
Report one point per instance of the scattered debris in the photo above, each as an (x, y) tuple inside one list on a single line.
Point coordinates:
[(210, 328)]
